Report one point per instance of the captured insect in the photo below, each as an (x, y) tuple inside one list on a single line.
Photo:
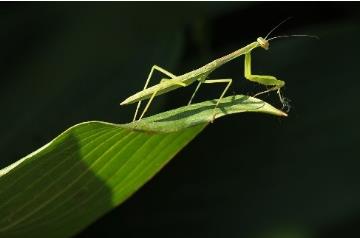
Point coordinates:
[(201, 74)]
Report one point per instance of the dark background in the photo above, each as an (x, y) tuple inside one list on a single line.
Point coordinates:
[(247, 175)]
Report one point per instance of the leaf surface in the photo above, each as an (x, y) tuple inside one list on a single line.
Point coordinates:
[(94, 166)]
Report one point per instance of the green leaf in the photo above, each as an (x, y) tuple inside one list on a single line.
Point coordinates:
[(92, 167)]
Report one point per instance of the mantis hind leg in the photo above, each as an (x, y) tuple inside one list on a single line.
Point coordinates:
[(147, 105), (158, 68), (228, 81), (267, 80), (173, 81)]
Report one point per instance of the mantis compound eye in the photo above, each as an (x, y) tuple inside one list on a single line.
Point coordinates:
[(263, 43)]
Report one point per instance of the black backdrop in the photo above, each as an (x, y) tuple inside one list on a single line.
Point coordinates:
[(246, 175)]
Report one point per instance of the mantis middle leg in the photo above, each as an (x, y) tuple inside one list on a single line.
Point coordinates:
[(228, 81), (196, 89), (158, 68), (201, 81)]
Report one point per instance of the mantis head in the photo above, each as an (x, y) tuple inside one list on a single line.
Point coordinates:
[(263, 43)]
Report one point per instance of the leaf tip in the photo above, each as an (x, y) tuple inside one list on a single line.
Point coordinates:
[(283, 114)]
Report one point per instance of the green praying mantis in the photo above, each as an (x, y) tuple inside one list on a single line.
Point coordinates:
[(201, 76)]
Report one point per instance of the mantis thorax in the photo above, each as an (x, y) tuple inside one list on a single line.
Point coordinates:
[(263, 43)]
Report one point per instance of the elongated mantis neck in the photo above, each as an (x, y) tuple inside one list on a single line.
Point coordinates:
[(237, 53)]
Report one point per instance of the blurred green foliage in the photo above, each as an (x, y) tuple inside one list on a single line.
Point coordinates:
[(63, 63)]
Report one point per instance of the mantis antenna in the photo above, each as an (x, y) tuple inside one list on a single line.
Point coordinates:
[(277, 26), (285, 36)]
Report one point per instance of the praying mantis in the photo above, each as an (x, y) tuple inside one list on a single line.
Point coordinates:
[(201, 74)]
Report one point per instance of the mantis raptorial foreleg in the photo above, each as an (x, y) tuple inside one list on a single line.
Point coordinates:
[(262, 79), (158, 68)]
